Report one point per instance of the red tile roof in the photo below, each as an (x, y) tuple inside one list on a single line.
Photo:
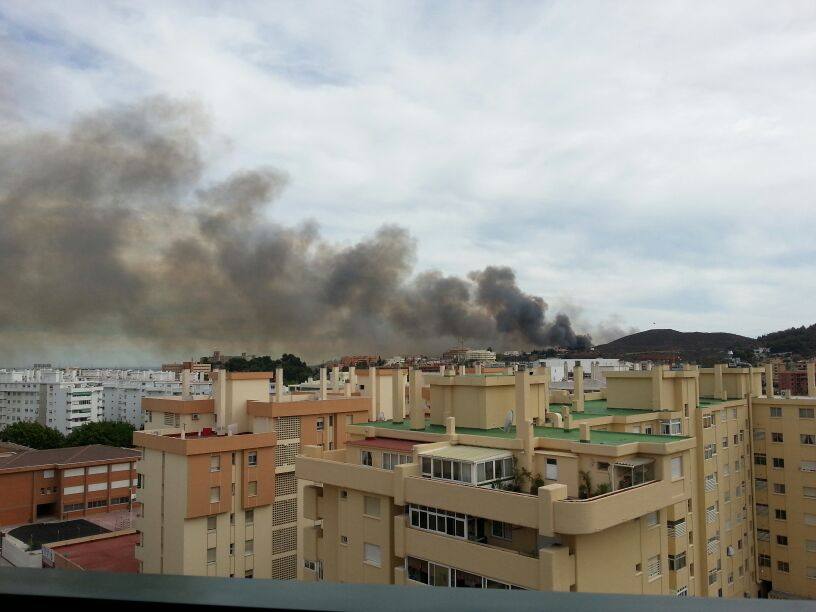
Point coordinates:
[(92, 453)]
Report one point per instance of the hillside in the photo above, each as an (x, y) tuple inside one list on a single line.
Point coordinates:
[(798, 340), (698, 346)]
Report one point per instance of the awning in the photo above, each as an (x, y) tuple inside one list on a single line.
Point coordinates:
[(634, 462), (467, 453)]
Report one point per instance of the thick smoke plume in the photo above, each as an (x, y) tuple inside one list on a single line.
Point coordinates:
[(108, 228)]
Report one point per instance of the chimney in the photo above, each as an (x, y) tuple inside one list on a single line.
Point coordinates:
[(566, 370), (417, 404), (719, 389), (278, 384), (578, 393), (811, 377), (462, 370), (567, 420), (372, 393), (769, 390), (186, 389), (584, 429), (347, 389), (353, 378), (450, 426), (398, 395), (322, 383), (336, 378), (478, 368), (523, 408)]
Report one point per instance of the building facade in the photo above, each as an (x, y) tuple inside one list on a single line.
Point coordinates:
[(217, 484), (65, 483), (644, 487)]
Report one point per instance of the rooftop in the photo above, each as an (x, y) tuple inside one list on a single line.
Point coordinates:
[(37, 534), (611, 438), (598, 408), (116, 553), (66, 456), (385, 443)]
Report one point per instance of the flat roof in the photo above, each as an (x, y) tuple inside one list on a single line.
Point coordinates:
[(113, 554), (385, 443), (599, 408), (66, 456), (467, 453), (37, 534), (597, 436)]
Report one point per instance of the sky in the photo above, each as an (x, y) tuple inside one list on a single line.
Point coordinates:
[(637, 164)]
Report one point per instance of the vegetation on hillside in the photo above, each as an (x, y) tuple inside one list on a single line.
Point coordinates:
[(798, 340)]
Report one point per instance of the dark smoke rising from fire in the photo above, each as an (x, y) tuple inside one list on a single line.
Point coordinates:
[(108, 226)]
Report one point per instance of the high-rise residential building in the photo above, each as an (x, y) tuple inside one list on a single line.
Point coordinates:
[(646, 486), (49, 397), (217, 485)]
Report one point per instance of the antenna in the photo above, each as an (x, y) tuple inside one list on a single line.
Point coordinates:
[(508, 421)]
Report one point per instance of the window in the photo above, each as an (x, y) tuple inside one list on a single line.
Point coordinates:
[(725, 442), (780, 514), (670, 428), (343, 494), (777, 437), (779, 488), (776, 412), (763, 535), (762, 509), (371, 553), (73, 507), (48, 473), (778, 462), (392, 460), (441, 521), (783, 566), (806, 413), (809, 439), (676, 529), (366, 458), (212, 521), (320, 424), (232, 549), (810, 572), (552, 469), (808, 466), (707, 421), (249, 547), (215, 463), (252, 489), (252, 458), (760, 459), (372, 506), (759, 435), (677, 562), (809, 492), (676, 468), (810, 545), (249, 573), (343, 539), (210, 555), (249, 516), (782, 540), (653, 566), (502, 530), (682, 592), (215, 495), (710, 451), (652, 519), (764, 561), (810, 519)]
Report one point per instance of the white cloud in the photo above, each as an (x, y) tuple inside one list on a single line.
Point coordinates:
[(647, 161)]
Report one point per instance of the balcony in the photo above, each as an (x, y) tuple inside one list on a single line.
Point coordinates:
[(574, 516), (345, 475)]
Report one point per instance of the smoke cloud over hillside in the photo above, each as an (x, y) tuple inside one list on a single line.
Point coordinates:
[(109, 228)]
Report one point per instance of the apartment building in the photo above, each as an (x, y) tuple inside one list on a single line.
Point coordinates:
[(65, 483), (643, 487), (217, 484), (49, 397), (784, 457)]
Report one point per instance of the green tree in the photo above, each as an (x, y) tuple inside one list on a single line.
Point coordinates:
[(295, 370), (110, 433), (32, 435)]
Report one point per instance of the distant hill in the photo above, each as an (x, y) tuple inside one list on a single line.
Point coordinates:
[(697, 346), (798, 340)]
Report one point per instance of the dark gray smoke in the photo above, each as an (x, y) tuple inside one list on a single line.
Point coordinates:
[(108, 228)]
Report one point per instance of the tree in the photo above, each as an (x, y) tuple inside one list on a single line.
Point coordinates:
[(32, 435), (110, 433), (295, 370)]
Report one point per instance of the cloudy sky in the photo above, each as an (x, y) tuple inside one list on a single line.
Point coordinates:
[(638, 164)]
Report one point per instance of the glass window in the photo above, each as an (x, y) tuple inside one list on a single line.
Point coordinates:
[(252, 458), (776, 411), (426, 466), (440, 575), (417, 569), (366, 458), (211, 555), (253, 488), (552, 469), (372, 506), (249, 516), (676, 467), (464, 579), (215, 495), (372, 554), (249, 547), (212, 521), (502, 530), (215, 463)]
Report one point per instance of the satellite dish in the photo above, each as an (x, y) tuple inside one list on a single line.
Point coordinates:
[(508, 421), (381, 416)]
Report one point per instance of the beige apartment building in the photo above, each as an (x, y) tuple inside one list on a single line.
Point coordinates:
[(644, 487), (217, 487)]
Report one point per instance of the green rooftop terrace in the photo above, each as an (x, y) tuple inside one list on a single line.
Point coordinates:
[(598, 408), (610, 438)]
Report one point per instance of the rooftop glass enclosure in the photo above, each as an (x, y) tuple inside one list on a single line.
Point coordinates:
[(632, 472), (481, 467)]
